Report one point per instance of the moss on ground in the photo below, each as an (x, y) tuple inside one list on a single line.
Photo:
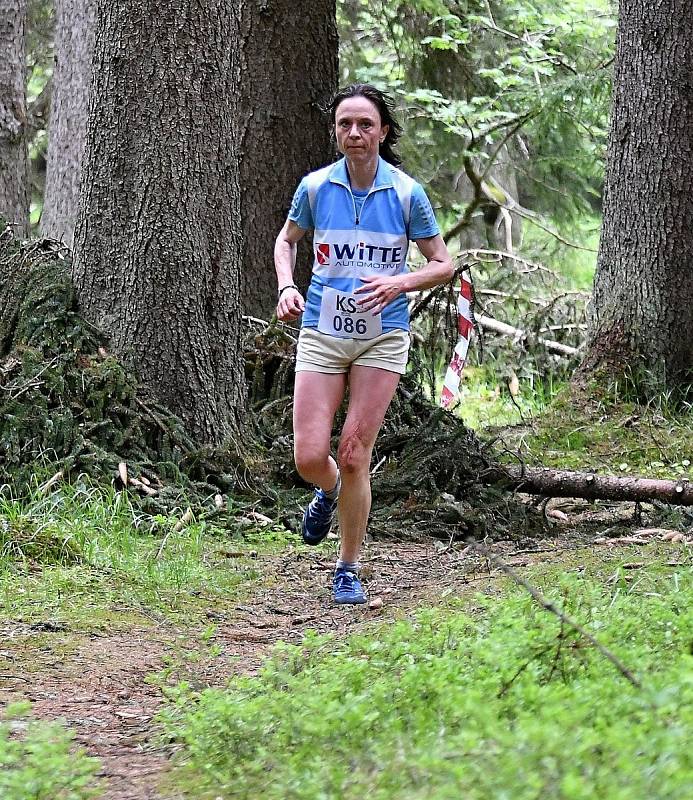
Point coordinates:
[(607, 434)]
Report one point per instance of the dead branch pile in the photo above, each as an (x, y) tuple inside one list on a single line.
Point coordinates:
[(427, 465), (530, 325), (68, 406)]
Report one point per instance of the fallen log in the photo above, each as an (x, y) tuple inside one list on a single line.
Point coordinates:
[(565, 483)]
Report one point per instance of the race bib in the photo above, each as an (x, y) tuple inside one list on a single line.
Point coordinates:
[(341, 316)]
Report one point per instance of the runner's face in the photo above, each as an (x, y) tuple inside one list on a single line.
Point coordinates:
[(359, 129)]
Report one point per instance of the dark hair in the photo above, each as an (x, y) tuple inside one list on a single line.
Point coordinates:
[(385, 105)]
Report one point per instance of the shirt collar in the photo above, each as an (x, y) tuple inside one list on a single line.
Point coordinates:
[(383, 175)]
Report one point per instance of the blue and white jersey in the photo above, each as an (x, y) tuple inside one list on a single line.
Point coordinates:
[(358, 237)]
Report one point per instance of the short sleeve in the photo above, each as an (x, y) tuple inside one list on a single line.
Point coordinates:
[(300, 212), (422, 220)]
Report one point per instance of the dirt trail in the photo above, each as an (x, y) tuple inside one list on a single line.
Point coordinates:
[(97, 689), (97, 686)]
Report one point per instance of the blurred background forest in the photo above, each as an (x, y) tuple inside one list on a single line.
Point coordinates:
[(506, 114)]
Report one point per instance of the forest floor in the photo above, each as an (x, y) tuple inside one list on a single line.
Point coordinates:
[(106, 682)]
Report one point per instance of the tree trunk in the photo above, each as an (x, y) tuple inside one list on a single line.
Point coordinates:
[(289, 70), (488, 227), (642, 316), (74, 40), (14, 170), (157, 242)]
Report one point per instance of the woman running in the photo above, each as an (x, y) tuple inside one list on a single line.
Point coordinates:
[(363, 211)]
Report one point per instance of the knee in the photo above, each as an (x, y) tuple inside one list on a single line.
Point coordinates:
[(353, 454), (309, 462)]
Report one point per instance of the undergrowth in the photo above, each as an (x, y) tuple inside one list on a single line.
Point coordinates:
[(485, 401), (38, 761), (83, 550), (504, 703), (605, 432)]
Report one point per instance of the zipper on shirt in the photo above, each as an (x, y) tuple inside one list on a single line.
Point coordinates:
[(371, 191), (353, 203), (365, 200), (357, 218)]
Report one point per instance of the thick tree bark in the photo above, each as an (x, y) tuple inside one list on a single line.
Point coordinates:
[(157, 243), (643, 294), (74, 40), (289, 70), (14, 169)]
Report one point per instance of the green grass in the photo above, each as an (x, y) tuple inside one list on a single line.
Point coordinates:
[(483, 404), (85, 555), (498, 701), (608, 434), (38, 761)]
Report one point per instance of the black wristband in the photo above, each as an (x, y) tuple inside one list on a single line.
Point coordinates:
[(284, 288)]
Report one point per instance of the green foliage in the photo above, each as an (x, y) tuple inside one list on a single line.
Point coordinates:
[(470, 75), (507, 703), (539, 303), (486, 402), (516, 94), (39, 761), (97, 550)]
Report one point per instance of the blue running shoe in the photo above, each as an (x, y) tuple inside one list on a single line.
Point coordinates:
[(347, 588), (317, 518)]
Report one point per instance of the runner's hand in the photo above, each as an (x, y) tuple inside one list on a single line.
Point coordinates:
[(290, 306), (381, 289)]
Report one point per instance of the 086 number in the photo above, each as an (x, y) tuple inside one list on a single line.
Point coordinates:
[(348, 325)]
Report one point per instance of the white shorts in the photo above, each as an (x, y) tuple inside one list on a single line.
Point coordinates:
[(318, 352)]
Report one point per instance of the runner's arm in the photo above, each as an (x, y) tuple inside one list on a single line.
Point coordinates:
[(439, 268), (290, 304), (383, 289)]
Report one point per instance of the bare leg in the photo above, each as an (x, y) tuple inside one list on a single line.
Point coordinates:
[(370, 393), (317, 396)]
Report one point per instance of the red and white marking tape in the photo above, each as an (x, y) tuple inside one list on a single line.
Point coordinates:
[(465, 326)]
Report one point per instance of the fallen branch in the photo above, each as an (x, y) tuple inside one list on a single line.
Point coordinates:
[(491, 324), (484, 256), (142, 487), (645, 536), (549, 606), (565, 483), (45, 487)]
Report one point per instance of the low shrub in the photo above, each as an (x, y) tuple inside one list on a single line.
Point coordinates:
[(39, 761), (504, 703)]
